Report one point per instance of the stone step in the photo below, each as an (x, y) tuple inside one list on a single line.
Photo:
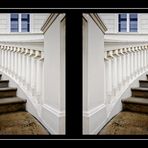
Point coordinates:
[(147, 76), (7, 92), (135, 104), (12, 104), (140, 92), (4, 83), (143, 83)]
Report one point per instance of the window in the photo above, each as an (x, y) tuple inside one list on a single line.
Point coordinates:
[(14, 22), (122, 22), (133, 22), (25, 23), (128, 22), (20, 22)]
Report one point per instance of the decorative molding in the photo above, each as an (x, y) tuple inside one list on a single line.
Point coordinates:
[(53, 110), (52, 17), (98, 21), (93, 111)]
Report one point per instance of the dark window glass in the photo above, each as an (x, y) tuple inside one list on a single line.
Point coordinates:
[(14, 22), (25, 22), (122, 22), (133, 22)]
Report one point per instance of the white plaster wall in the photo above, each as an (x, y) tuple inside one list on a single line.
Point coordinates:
[(143, 22), (94, 110), (37, 21), (54, 74), (110, 20), (4, 22)]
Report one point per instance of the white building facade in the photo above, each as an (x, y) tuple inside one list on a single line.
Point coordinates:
[(32, 58), (115, 53)]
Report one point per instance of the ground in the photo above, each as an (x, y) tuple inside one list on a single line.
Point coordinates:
[(20, 123), (127, 123)]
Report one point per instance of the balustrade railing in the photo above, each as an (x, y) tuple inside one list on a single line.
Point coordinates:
[(122, 66), (25, 66)]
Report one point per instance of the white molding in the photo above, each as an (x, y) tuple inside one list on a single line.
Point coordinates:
[(52, 17), (93, 111), (94, 120), (21, 33), (95, 17), (53, 119), (54, 111)]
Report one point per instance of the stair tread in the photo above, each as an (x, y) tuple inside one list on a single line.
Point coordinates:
[(4, 80), (136, 100), (8, 88), (143, 80), (12, 100), (140, 88)]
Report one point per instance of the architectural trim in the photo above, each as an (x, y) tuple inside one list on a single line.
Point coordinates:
[(53, 110), (94, 120), (98, 22), (49, 21), (93, 111)]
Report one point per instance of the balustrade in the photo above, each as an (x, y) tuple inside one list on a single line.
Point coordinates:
[(122, 66), (25, 66)]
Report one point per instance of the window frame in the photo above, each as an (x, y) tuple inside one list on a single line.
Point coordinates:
[(20, 23), (128, 23)]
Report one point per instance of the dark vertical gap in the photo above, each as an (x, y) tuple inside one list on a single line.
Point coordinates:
[(73, 74)]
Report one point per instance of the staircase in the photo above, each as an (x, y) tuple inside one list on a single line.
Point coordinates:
[(138, 102), (9, 102), (133, 119), (14, 119)]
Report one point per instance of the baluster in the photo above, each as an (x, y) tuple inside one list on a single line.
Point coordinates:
[(2, 58), (6, 59), (22, 72), (31, 55), (132, 64), (142, 59), (38, 75), (145, 57), (109, 76), (139, 59), (11, 61), (33, 73), (27, 68), (136, 60), (13, 64)]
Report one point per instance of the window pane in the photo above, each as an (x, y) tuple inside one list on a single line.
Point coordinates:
[(25, 22), (133, 22), (122, 22), (14, 22)]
